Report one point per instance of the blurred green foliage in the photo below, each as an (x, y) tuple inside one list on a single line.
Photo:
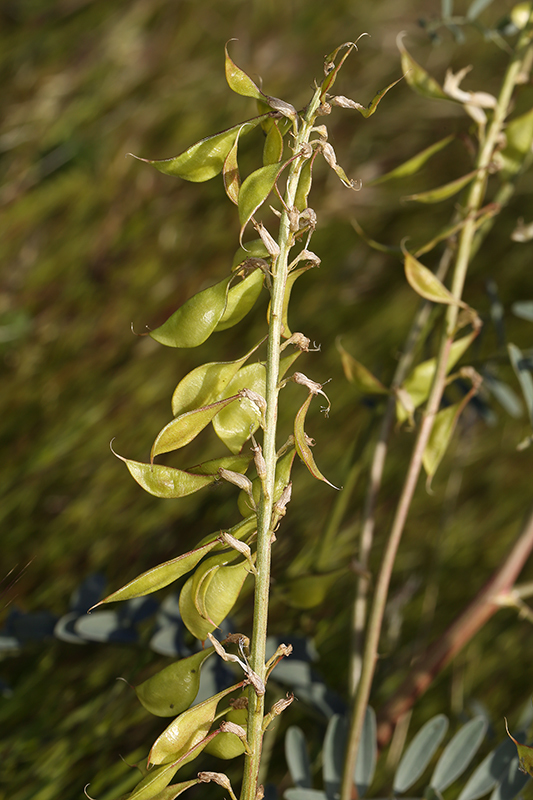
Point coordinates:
[(94, 242)]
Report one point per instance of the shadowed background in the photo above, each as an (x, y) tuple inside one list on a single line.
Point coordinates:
[(94, 242)]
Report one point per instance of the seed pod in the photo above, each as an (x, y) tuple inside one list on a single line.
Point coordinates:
[(216, 597), (173, 689), (158, 577), (206, 383), (155, 784), (187, 730), (229, 745), (195, 320), (241, 299), (235, 424), (205, 159), (302, 442), (182, 430)]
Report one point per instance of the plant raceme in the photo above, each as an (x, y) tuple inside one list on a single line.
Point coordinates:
[(238, 398)]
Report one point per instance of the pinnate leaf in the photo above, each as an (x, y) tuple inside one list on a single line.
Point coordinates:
[(297, 757), (419, 753), (523, 373), (458, 753)]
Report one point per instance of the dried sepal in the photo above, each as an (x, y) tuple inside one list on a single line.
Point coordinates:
[(277, 709), (256, 400), (279, 508), (282, 651), (240, 546), (270, 243), (299, 340), (216, 777), (259, 460), (236, 478)]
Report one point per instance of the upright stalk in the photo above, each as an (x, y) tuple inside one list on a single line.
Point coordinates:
[(474, 201), (264, 516)]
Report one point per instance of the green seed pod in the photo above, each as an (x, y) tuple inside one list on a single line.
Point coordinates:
[(206, 383), (205, 159), (217, 596), (182, 430), (252, 249), (273, 148), (228, 745), (173, 689), (235, 424), (187, 730), (241, 299), (196, 319)]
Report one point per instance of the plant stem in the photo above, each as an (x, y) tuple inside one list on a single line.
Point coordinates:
[(264, 515), (376, 476), (473, 204)]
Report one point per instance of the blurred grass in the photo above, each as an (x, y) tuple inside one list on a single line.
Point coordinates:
[(94, 242)]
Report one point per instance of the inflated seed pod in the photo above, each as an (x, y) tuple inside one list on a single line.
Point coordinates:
[(187, 730), (228, 745), (173, 689), (216, 597)]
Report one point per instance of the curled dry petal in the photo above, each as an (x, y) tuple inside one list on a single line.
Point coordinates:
[(451, 87)]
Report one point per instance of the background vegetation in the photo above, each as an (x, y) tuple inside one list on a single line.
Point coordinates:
[(93, 242)]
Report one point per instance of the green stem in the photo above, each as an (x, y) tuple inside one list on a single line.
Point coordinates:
[(264, 515), (474, 202)]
